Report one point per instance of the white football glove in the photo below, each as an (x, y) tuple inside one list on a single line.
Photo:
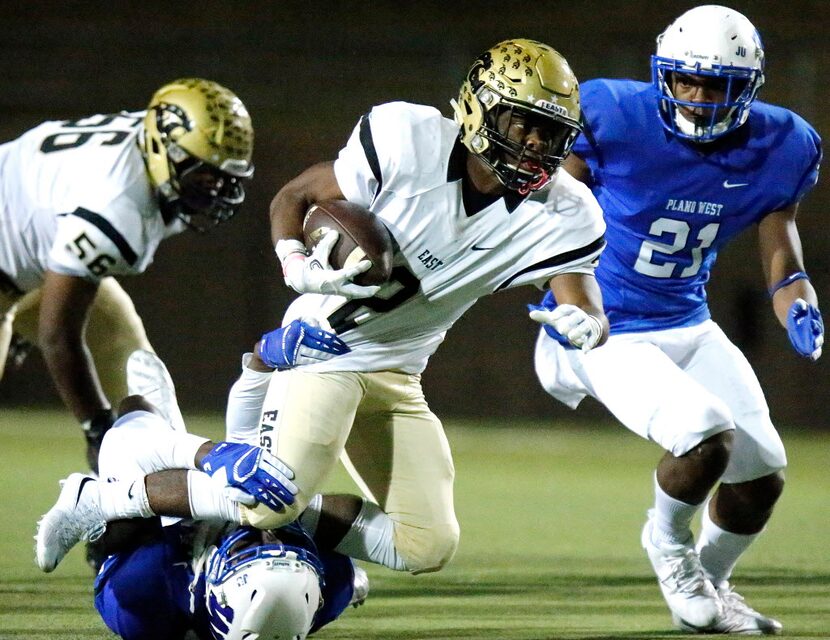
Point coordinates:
[(313, 273), (581, 329)]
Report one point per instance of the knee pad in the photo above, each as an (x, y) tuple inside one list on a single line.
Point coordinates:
[(427, 550)]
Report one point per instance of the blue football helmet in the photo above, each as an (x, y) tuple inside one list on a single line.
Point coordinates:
[(712, 42), (259, 591)]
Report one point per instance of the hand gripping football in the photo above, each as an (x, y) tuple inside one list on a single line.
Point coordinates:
[(362, 237)]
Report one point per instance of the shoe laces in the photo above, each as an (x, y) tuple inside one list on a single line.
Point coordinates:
[(685, 572), (733, 601)]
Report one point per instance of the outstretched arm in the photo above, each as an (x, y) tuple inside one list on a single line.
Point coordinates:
[(794, 299), (578, 316)]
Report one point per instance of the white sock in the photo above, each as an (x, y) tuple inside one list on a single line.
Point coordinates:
[(208, 500), (371, 538), (245, 404), (310, 518), (671, 521), (720, 549), (124, 499)]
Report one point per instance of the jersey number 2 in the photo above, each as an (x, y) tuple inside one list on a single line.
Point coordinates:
[(679, 229)]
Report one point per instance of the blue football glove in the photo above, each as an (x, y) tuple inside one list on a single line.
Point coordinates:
[(297, 343), (805, 329), (254, 470)]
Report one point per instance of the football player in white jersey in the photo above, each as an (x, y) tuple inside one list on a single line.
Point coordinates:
[(454, 195), (84, 200)]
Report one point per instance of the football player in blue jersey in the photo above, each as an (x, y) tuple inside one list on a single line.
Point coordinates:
[(208, 574), (680, 166)]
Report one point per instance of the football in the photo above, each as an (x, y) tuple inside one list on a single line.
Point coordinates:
[(362, 236)]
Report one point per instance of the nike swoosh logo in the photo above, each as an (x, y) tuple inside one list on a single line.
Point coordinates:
[(732, 185), (475, 247), (239, 462), (130, 491), (81, 489)]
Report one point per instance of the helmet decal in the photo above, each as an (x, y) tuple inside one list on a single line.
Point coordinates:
[(171, 119)]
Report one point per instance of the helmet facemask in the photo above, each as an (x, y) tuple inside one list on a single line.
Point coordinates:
[(201, 195), (704, 121), (518, 166)]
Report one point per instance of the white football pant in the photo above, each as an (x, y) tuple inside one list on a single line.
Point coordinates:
[(676, 387)]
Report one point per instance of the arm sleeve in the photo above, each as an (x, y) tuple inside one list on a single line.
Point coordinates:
[(245, 400)]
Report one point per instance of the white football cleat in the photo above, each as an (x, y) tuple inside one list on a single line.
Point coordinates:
[(147, 376), (690, 595), (76, 516), (738, 617), (361, 587)]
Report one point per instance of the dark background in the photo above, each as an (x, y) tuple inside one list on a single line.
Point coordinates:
[(307, 71)]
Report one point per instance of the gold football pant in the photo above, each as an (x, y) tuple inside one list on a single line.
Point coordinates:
[(113, 331), (396, 447)]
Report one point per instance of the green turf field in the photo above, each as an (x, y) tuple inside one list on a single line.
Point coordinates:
[(550, 521)]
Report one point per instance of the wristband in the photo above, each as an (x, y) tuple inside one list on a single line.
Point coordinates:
[(289, 247), (798, 275)]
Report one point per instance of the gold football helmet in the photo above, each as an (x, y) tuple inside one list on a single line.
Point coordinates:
[(197, 144), (520, 82)]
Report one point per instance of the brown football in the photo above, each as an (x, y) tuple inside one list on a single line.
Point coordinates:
[(362, 236)]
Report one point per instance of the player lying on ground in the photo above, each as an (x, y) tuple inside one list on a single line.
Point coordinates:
[(201, 573)]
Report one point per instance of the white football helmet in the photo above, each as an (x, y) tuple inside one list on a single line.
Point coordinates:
[(262, 592), (710, 41)]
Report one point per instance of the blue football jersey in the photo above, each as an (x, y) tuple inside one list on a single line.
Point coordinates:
[(670, 205)]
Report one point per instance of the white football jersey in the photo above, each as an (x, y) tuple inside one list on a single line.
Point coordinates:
[(76, 199), (404, 162)]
